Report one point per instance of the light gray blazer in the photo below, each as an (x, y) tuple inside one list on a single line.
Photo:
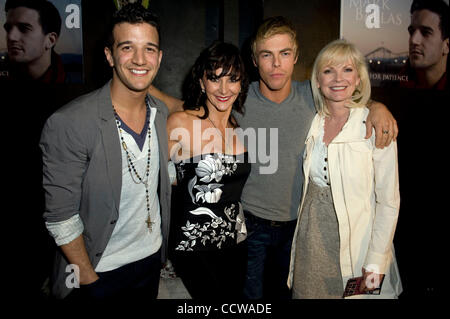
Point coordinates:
[(82, 168)]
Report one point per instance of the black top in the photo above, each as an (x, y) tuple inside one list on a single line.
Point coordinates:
[(211, 187)]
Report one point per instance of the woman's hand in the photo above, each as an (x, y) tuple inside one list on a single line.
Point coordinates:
[(370, 281)]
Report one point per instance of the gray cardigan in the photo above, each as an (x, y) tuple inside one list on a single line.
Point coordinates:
[(82, 174)]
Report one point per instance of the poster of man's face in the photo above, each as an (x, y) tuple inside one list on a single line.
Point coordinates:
[(41, 40), (406, 42), (427, 46)]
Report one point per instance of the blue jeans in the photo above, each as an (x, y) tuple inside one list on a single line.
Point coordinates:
[(269, 248)]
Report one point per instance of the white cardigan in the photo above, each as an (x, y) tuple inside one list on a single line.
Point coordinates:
[(365, 189)]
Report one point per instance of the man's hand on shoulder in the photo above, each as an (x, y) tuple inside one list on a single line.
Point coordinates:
[(386, 129)]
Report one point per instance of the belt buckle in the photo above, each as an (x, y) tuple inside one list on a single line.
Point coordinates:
[(274, 223)]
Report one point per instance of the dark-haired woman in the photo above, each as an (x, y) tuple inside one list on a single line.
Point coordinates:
[(212, 168)]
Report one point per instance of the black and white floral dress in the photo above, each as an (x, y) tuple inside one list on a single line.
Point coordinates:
[(208, 224), (211, 187)]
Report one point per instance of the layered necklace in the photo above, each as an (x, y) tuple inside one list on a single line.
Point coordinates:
[(135, 176)]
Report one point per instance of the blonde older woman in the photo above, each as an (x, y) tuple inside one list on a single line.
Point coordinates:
[(348, 214)]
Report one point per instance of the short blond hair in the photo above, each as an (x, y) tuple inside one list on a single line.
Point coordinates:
[(335, 53), (273, 26)]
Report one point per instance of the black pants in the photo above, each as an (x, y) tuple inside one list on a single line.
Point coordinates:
[(137, 280), (213, 275)]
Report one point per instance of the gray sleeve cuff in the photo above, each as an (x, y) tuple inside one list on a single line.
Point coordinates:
[(66, 231)]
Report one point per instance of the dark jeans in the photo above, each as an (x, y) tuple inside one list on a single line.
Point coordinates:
[(269, 247), (137, 280)]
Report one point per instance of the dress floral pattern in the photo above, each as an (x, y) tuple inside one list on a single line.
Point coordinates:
[(210, 222)]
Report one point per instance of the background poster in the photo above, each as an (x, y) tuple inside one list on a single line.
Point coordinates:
[(379, 28), (69, 45)]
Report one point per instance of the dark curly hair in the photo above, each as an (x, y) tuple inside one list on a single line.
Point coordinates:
[(132, 13), (217, 55)]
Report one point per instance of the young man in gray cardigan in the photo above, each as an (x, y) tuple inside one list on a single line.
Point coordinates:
[(105, 173)]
